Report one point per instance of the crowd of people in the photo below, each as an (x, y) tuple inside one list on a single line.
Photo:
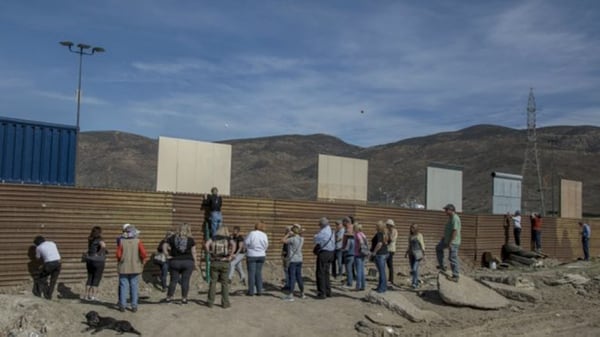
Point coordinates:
[(341, 251)]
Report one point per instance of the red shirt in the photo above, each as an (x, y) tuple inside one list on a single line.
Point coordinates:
[(536, 223)]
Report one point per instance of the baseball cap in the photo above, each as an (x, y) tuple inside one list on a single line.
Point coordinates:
[(390, 222), (450, 207)]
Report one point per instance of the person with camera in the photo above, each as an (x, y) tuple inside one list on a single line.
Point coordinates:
[(294, 241)]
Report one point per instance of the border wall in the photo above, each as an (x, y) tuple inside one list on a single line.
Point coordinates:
[(66, 215)]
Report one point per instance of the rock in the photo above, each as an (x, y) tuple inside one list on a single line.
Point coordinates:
[(574, 279), (369, 329), (380, 319), (397, 303), (514, 293), (469, 293)]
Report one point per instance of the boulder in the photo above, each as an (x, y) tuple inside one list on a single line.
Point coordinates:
[(469, 293), (514, 293), (397, 303)]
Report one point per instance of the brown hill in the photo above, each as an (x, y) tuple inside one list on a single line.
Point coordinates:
[(285, 167)]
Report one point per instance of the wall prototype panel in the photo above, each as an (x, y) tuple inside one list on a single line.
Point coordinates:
[(444, 186), (506, 193), (570, 199), (342, 178), (193, 166)]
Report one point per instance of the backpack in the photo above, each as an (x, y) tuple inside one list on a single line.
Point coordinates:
[(220, 246), (364, 247)]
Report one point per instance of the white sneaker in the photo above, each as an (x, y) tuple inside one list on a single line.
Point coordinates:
[(289, 298)]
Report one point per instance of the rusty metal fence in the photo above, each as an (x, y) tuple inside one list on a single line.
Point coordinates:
[(66, 215)]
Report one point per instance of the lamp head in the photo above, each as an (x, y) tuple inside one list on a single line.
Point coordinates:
[(98, 50), (83, 46), (66, 43)]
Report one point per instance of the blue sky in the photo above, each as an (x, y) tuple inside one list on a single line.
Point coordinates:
[(216, 70)]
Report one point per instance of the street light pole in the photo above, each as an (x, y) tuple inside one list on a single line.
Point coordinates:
[(82, 47)]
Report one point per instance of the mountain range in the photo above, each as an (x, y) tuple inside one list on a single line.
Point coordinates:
[(285, 167)]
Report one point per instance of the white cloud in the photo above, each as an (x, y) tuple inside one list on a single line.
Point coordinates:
[(62, 97)]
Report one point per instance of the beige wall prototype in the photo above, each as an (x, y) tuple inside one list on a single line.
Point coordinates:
[(342, 178), (444, 186), (570, 199), (192, 166)]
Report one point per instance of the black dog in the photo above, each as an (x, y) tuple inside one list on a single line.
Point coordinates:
[(98, 323)]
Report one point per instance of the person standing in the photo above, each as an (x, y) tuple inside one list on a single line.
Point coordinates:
[(131, 255), (379, 248), (450, 240), (586, 233), (285, 261), (47, 251), (324, 249), (536, 232), (361, 249), (294, 242), (182, 250), (349, 250), (256, 243), (95, 262), (338, 258), (415, 253), (239, 255), (222, 250), (162, 252), (393, 235), (213, 202), (516, 220)]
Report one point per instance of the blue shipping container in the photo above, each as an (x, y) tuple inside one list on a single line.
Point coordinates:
[(37, 153)]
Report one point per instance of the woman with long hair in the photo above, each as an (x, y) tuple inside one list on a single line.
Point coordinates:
[(182, 250), (361, 247), (95, 262), (379, 249), (415, 253)]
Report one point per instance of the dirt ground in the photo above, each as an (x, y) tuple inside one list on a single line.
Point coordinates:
[(567, 309)]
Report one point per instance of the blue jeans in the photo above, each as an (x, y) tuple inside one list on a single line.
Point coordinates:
[(452, 257), (359, 264), (164, 272), (255, 265), (349, 270), (295, 275), (338, 265), (236, 264), (585, 242), (536, 239), (215, 222), (128, 283), (414, 270), (380, 263)]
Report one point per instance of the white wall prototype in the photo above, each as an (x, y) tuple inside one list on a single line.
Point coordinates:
[(506, 194), (571, 199), (192, 166), (342, 178), (444, 186)]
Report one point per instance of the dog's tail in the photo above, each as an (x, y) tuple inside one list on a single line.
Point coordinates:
[(135, 331)]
